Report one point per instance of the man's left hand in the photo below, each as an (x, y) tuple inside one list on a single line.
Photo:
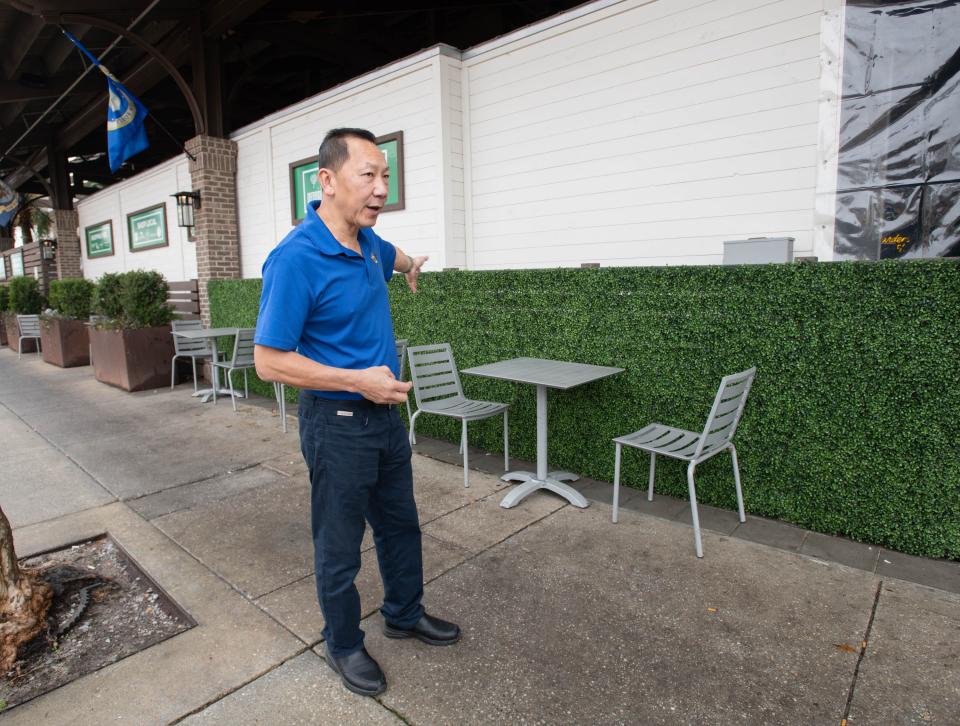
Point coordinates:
[(415, 271)]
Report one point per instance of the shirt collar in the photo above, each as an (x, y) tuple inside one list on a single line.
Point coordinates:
[(321, 236)]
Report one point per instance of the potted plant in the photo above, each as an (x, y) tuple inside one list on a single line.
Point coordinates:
[(24, 298), (132, 346), (4, 299), (63, 328)]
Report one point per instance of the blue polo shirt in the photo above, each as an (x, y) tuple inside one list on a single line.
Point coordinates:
[(327, 302)]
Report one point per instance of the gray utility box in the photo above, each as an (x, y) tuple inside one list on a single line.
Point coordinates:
[(758, 250)]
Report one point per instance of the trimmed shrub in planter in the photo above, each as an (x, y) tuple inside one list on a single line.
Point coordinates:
[(133, 347), (63, 329), (24, 298)]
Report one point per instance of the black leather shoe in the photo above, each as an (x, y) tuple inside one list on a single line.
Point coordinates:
[(359, 672), (428, 629)]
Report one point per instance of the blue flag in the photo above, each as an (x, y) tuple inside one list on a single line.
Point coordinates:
[(9, 203), (126, 134)]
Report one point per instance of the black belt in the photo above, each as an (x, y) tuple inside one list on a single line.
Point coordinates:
[(348, 404)]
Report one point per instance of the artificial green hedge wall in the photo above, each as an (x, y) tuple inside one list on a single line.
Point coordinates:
[(853, 423)]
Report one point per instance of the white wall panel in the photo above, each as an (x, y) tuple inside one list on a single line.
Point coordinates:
[(402, 97), (643, 133), (177, 261)]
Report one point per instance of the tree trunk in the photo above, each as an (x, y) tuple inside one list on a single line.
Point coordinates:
[(24, 600), (26, 229)]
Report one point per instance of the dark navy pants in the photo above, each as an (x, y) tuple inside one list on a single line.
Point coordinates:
[(359, 460)]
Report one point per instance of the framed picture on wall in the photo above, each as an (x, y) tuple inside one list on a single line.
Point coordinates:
[(305, 188), (147, 228), (99, 239), (16, 264)]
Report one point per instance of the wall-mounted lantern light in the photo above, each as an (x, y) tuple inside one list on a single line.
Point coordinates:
[(187, 202)]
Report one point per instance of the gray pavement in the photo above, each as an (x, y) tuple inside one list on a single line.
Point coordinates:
[(567, 617)]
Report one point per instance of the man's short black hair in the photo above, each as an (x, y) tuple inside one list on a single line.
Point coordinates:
[(334, 152)]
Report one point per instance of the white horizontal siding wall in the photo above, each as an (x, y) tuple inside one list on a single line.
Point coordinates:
[(177, 261), (400, 97), (640, 133)]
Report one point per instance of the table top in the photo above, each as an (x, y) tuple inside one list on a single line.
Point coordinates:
[(206, 333), (543, 372)]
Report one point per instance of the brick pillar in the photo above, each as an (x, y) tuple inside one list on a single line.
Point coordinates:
[(214, 175), (69, 258)]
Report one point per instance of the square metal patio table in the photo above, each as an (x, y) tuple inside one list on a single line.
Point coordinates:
[(210, 334), (544, 374)]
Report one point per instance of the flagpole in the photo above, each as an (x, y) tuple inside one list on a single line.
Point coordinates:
[(163, 128), (73, 85)]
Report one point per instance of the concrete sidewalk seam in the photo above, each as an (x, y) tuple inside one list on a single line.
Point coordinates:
[(61, 452), (237, 688), (216, 574), (863, 651), (242, 467)]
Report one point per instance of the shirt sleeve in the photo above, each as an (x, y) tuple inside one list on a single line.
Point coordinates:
[(388, 255), (286, 300)]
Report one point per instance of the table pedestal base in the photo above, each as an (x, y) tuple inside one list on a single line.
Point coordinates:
[(554, 481), (206, 394)]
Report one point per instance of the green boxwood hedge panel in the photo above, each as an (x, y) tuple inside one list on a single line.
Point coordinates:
[(853, 423)]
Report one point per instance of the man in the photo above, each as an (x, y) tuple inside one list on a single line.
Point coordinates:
[(325, 327)]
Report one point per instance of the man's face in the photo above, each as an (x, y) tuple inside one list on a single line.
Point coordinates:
[(361, 184)]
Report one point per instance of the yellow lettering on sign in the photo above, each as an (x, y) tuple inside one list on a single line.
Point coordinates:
[(897, 239)]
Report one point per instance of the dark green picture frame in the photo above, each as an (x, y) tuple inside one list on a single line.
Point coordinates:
[(305, 188), (157, 212), (95, 247)]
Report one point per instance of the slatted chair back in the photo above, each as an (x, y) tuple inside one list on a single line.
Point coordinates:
[(434, 374), (185, 346), (726, 411), (29, 326), (402, 356), (243, 349)]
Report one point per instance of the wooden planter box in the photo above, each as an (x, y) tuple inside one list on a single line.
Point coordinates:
[(64, 342), (13, 335), (133, 360)]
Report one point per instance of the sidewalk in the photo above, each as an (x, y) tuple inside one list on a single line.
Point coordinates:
[(567, 617)]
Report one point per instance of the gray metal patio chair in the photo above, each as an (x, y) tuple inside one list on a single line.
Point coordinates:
[(437, 389), (192, 349), (691, 447), (278, 391), (92, 323), (242, 359), (402, 357), (29, 328)]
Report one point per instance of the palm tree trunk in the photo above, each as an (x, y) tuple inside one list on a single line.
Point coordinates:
[(24, 600)]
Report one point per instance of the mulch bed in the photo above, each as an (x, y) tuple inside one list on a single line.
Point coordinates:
[(105, 608)]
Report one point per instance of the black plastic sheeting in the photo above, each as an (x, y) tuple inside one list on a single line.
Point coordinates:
[(898, 180)]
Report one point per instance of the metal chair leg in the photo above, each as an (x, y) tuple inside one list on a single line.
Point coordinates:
[(246, 388), (281, 404), (616, 481), (233, 394), (736, 479), (506, 442), (413, 420), (193, 361), (693, 509), (463, 447), (173, 371), (653, 469)]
